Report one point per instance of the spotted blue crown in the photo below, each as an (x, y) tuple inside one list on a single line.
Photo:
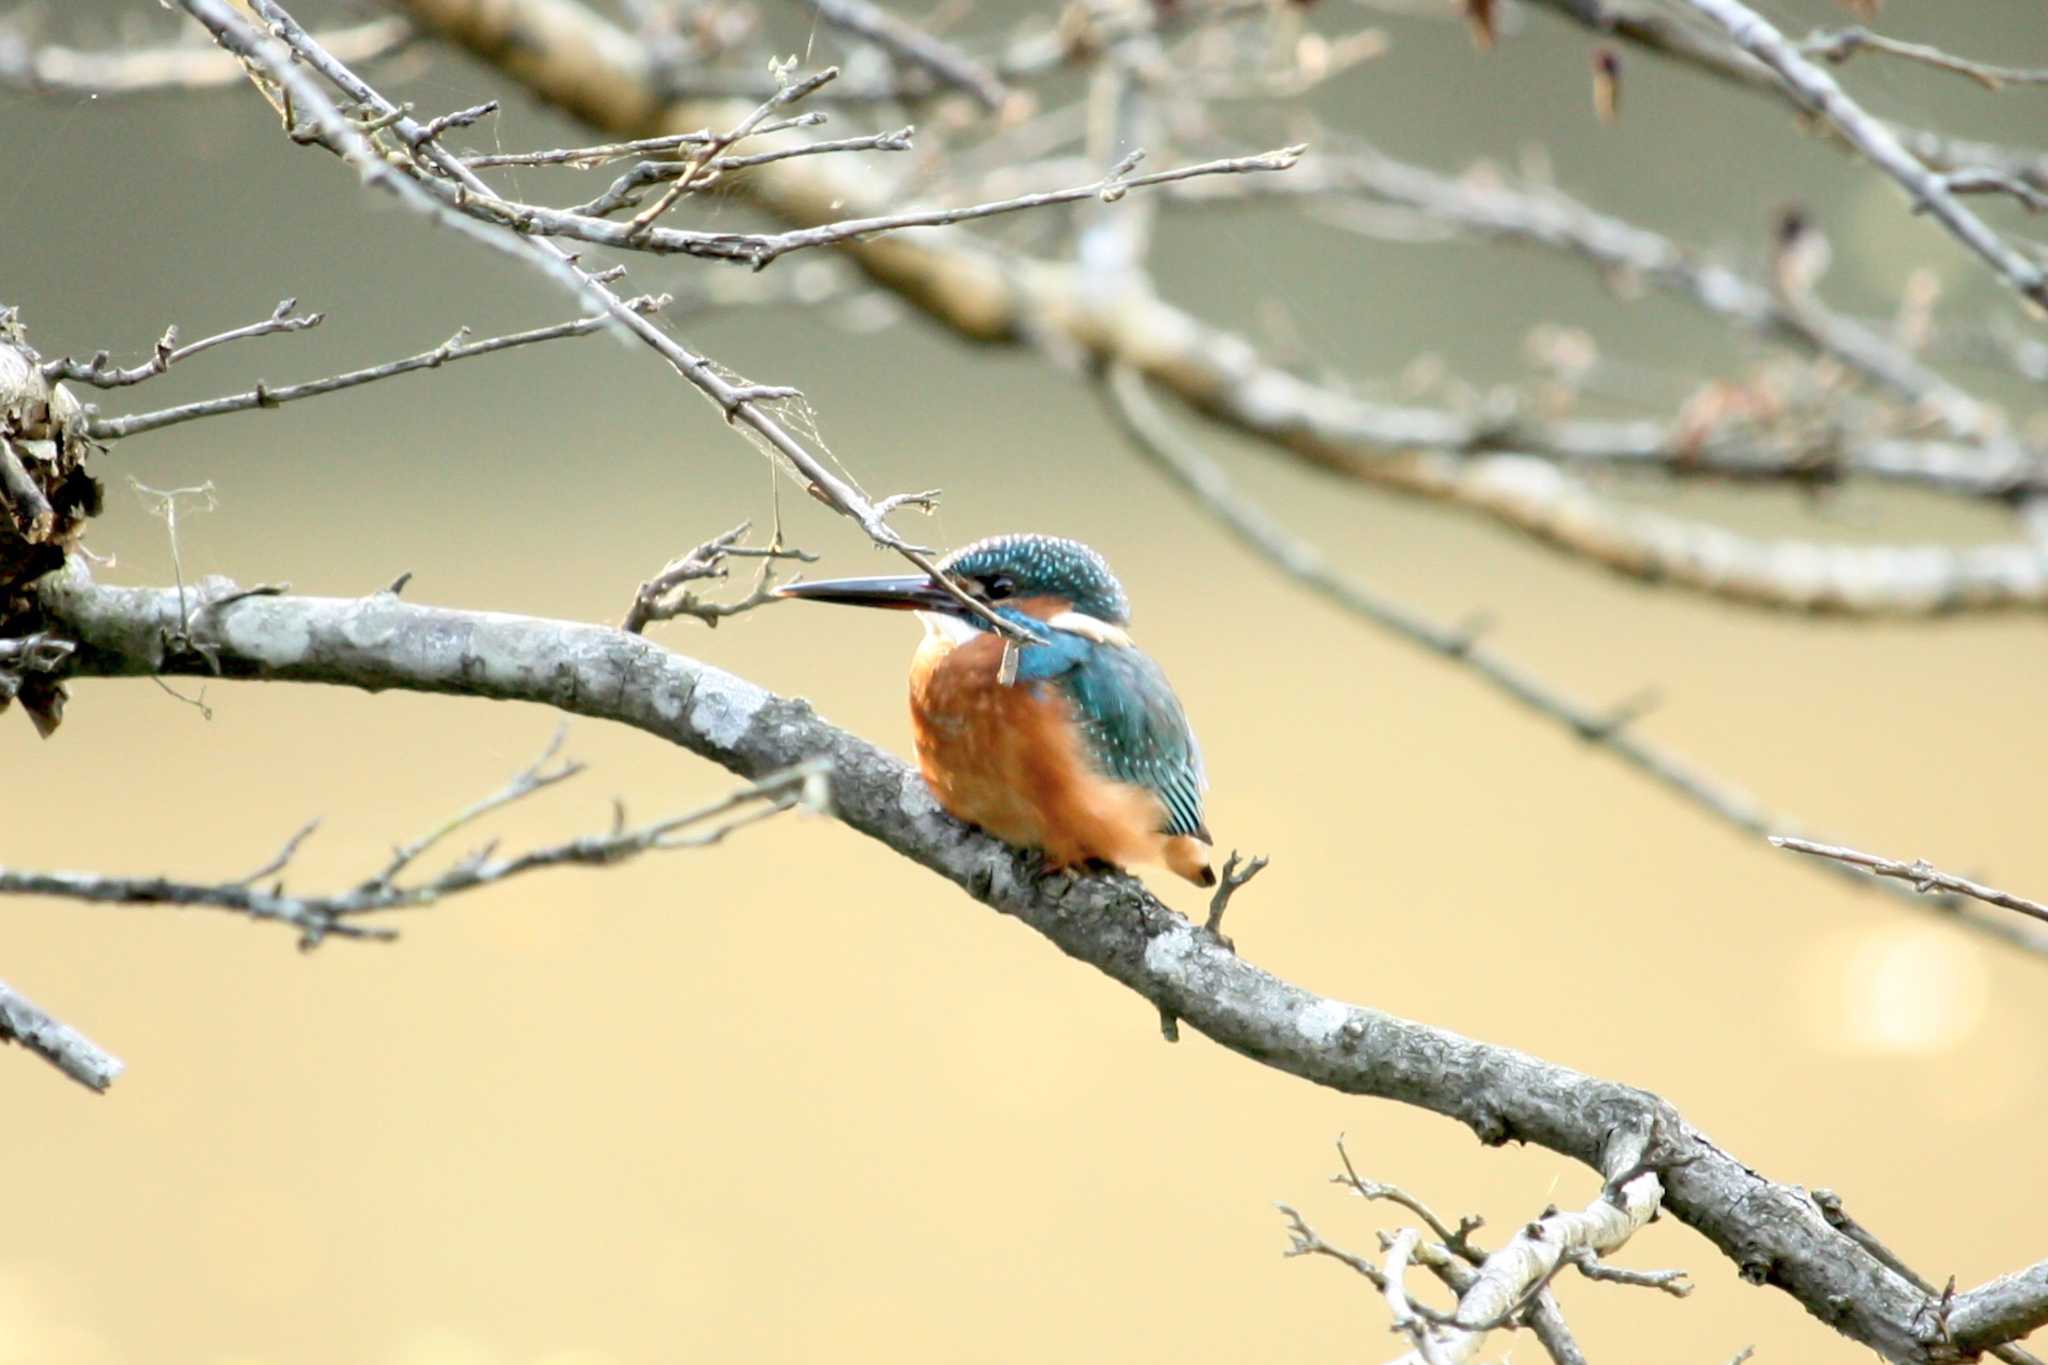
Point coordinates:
[(1045, 566)]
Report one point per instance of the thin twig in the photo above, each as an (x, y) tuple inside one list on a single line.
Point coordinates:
[(621, 193), (760, 249), (1996, 182), (99, 373), (1672, 1282), (460, 118), (1840, 45), (536, 776), (589, 158), (262, 396), (320, 917), (652, 602), (745, 128), (1458, 1240), (282, 858), (1923, 875), (1305, 1241)]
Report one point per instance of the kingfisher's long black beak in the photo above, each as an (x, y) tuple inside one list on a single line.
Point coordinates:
[(909, 592)]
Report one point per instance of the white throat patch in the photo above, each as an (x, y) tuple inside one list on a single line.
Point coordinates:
[(959, 632), (947, 627), (1090, 628)]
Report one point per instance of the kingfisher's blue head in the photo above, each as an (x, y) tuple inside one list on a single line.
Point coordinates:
[(1023, 567), (1030, 579)]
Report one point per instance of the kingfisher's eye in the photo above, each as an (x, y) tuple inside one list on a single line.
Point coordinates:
[(998, 586)]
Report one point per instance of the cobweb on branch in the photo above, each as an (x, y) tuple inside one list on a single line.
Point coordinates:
[(795, 413)]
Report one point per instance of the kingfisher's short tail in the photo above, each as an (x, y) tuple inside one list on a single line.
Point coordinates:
[(1190, 858)]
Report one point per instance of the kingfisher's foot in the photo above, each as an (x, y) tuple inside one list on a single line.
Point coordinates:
[(1232, 879), (1058, 878)]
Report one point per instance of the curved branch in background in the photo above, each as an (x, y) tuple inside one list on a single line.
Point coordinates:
[(1549, 218), (149, 70), (1200, 478), (1775, 1234), (568, 55), (1979, 461)]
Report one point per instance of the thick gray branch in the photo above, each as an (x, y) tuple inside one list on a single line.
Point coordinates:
[(1774, 1233), (2004, 1310)]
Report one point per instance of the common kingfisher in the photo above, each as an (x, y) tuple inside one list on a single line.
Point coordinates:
[(1078, 748)]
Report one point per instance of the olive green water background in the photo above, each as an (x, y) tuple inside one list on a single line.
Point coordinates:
[(793, 1099)]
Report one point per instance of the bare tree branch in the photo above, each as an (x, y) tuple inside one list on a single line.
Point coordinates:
[(759, 249), (1923, 875), (658, 599), (986, 295), (1632, 254), (1840, 45), (621, 193), (1653, 28), (588, 158), (167, 352), (1196, 475), (1508, 1287), (1818, 92), (280, 61), (1543, 1317), (745, 128), (1839, 1218), (1511, 1278), (2001, 1311), (57, 1043), (1774, 1233), (337, 914), (262, 396)]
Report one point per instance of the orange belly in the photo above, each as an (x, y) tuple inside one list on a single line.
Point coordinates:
[(1011, 760)]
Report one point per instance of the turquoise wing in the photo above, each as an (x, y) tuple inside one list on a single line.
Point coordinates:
[(1139, 734)]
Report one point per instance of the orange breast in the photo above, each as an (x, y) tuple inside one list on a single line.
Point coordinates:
[(1011, 760)]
